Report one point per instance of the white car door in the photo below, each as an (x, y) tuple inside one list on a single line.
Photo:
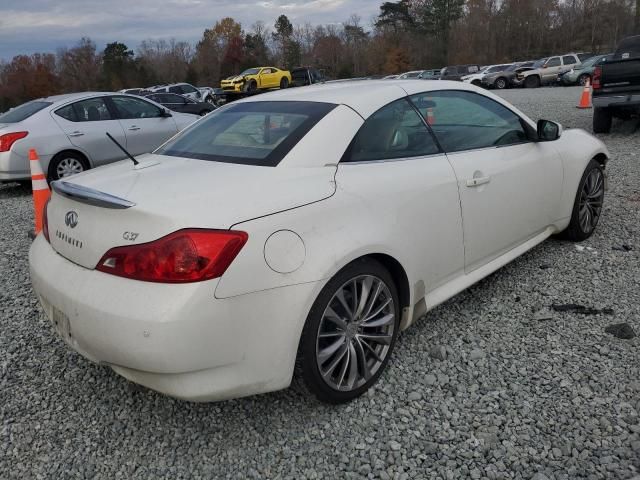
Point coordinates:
[(86, 124), (510, 187), (394, 171), (145, 125)]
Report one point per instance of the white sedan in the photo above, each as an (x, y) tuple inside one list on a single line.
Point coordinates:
[(69, 132), (298, 232)]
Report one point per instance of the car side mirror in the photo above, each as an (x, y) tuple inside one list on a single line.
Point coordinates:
[(548, 131), (165, 113)]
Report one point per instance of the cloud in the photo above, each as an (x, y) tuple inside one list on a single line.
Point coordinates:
[(27, 26)]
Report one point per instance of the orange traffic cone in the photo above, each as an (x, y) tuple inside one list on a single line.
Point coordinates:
[(431, 118), (585, 99), (40, 188)]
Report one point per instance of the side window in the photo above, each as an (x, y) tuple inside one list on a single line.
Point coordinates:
[(68, 113), (187, 89), (266, 71), (91, 110), (135, 108), (553, 62), (175, 89), (466, 120), (394, 131), (171, 98), (568, 60)]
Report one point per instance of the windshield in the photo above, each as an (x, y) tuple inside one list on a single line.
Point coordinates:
[(252, 133), (251, 71), (540, 63), (23, 112), (497, 68), (592, 61)]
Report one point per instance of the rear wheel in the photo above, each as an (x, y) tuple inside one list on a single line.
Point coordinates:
[(587, 206), (532, 81), (284, 83), (602, 120), (501, 83), (350, 333), (65, 164), (582, 79), (203, 113), (477, 83)]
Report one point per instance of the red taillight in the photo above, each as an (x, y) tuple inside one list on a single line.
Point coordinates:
[(9, 139), (45, 221), (595, 81), (190, 255)]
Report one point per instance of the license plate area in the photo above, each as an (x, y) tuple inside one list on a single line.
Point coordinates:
[(61, 323)]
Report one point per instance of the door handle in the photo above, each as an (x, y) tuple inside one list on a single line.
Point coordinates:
[(475, 182), (77, 133), (134, 127)]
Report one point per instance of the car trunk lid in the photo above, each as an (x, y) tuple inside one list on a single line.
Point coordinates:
[(120, 204)]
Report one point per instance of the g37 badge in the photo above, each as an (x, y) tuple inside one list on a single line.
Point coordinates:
[(130, 236)]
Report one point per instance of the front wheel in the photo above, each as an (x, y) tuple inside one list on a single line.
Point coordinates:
[(350, 333), (532, 82), (587, 206), (501, 83)]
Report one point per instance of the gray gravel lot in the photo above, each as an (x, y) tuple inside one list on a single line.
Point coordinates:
[(522, 391)]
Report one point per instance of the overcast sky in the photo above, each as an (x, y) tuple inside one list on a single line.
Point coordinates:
[(28, 26)]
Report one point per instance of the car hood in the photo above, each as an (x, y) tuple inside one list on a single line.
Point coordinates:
[(171, 193)]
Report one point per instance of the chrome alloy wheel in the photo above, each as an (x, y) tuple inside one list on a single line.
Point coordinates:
[(355, 333), (69, 166), (591, 200)]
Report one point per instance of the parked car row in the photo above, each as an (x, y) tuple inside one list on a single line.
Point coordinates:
[(69, 132), (568, 69)]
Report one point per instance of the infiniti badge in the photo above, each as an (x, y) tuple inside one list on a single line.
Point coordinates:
[(71, 219)]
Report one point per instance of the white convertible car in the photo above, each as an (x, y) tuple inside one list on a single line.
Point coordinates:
[(298, 232)]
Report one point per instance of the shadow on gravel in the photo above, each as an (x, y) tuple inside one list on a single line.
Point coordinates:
[(13, 190)]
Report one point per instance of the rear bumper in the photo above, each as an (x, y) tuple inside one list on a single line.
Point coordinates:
[(177, 339), (621, 100), (13, 167)]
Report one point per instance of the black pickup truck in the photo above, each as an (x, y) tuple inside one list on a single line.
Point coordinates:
[(616, 86)]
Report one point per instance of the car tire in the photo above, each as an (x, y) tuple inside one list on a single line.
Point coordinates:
[(587, 206), (602, 120), (338, 360), (203, 112), (582, 79), (477, 83), (500, 83), (284, 82), (532, 81), (65, 164), (252, 86)]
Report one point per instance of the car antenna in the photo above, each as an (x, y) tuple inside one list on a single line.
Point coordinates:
[(135, 162)]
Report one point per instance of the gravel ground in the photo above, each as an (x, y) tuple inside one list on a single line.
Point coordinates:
[(492, 384)]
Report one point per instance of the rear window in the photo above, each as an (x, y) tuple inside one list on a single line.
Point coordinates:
[(23, 112), (252, 133)]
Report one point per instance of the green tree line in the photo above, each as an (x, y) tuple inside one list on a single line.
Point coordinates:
[(407, 34)]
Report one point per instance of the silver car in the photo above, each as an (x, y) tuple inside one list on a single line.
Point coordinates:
[(69, 132)]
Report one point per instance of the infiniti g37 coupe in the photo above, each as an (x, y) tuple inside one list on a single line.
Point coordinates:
[(297, 233)]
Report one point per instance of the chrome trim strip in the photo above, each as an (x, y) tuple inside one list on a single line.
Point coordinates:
[(90, 196)]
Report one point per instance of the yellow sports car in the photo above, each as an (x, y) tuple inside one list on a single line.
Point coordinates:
[(259, 78)]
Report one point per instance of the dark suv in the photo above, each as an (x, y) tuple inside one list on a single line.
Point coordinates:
[(456, 72)]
